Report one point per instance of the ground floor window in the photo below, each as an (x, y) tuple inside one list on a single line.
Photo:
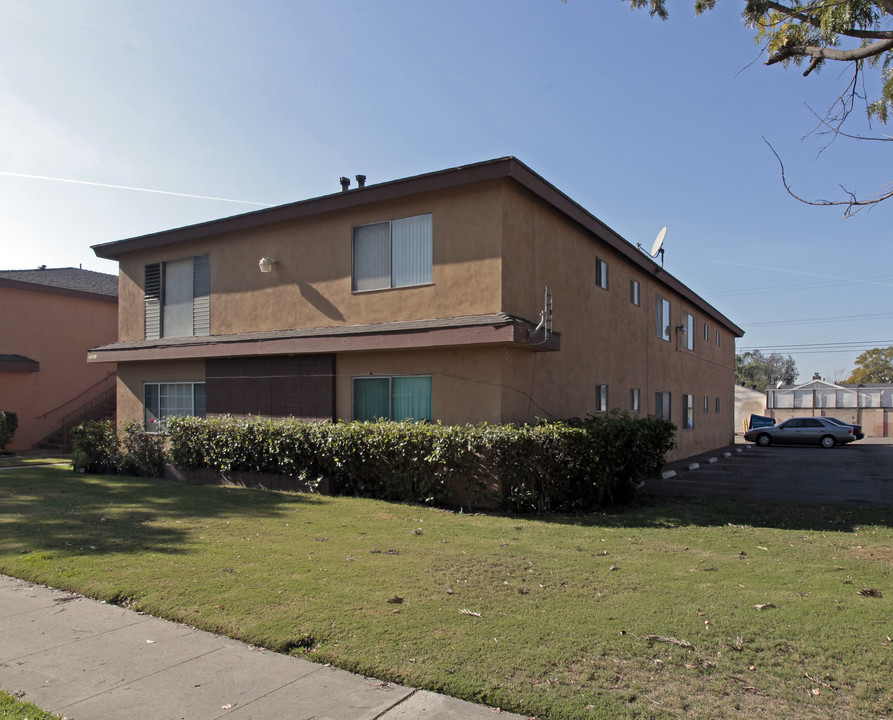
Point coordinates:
[(662, 405), (392, 398), (162, 401), (635, 400), (688, 412), (601, 398)]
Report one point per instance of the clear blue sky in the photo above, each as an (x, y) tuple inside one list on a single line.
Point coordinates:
[(644, 123)]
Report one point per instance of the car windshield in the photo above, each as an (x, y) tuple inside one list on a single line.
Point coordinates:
[(836, 421)]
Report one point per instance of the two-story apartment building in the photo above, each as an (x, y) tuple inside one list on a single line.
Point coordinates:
[(418, 298)]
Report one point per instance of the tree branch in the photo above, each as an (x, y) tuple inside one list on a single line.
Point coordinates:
[(826, 53), (853, 205), (813, 21)]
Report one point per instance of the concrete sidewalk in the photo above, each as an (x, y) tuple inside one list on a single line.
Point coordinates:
[(90, 661)]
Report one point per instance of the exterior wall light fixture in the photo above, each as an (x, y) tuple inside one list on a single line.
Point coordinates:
[(266, 264)]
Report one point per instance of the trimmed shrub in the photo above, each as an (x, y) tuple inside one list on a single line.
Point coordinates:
[(630, 450), (556, 467), (95, 447), (9, 423), (143, 454)]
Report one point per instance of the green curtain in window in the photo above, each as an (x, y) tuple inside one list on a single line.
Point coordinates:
[(412, 398), (371, 398)]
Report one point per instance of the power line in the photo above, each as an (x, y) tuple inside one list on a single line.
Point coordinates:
[(810, 348), (779, 289), (838, 318)]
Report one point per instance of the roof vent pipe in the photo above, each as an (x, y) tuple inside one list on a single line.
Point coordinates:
[(361, 181), (345, 183)]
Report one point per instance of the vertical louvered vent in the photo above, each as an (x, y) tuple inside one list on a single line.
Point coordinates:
[(201, 295), (153, 290)]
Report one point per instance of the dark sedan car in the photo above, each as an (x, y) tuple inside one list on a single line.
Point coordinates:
[(857, 429), (803, 431)]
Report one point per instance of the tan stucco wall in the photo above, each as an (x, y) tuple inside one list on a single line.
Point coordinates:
[(466, 384), (310, 286), (56, 331), (495, 248), (131, 377), (605, 339)]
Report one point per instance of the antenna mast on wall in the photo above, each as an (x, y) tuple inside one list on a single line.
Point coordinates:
[(545, 317)]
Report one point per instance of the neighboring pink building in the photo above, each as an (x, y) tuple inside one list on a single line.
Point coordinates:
[(49, 318)]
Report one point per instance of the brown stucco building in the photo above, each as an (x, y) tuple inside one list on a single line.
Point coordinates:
[(49, 318), (417, 298)]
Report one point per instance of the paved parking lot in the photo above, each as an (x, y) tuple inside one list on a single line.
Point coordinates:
[(860, 473)]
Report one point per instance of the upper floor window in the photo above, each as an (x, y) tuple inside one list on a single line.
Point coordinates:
[(177, 298), (689, 326), (662, 318), (601, 273), (635, 397), (634, 290), (717, 338), (392, 254), (706, 332)]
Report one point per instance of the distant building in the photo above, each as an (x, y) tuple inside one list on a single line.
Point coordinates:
[(49, 318), (868, 405), (747, 402)]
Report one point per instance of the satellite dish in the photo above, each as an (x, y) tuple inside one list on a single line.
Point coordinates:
[(657, 247), (658, 241)]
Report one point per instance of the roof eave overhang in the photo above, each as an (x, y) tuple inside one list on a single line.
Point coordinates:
[(23, 365), (516, 334), (501, 168), (54, 290)]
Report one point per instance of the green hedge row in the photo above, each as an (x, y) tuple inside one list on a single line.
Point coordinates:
[(99, 448), (9, 423), (574, 466)]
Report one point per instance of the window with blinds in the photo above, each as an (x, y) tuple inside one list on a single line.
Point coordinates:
[(178, 298), (392, 254)]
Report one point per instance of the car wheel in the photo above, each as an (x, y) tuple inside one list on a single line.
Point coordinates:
[(827, 441), (764, 440)]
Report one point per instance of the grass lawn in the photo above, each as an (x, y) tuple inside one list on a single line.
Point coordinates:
[(13, 709), (671, 608), (11, 460)]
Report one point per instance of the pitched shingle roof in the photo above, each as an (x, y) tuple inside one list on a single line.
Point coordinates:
[(76, 279)]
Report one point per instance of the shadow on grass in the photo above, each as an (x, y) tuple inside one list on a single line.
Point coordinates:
[(56, 509), (653, 511)]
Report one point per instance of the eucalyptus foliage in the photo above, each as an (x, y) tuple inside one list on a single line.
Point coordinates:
[(854, 34), (795, 31), (759, 371)]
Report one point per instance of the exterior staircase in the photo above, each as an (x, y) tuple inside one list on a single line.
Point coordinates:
[(100, 407)]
